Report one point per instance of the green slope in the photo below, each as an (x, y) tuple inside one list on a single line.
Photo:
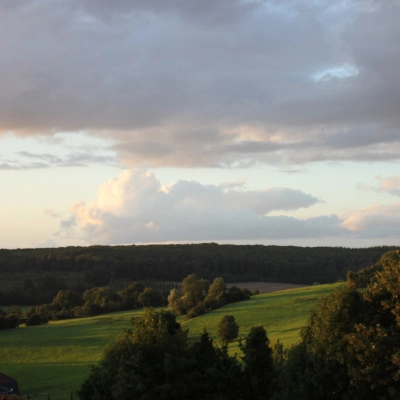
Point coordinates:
[(55, 359), (281, 313)]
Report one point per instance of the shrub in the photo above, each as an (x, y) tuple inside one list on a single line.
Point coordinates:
[(34, 320)]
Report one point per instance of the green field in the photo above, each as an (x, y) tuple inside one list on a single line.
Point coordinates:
[(53, 360)]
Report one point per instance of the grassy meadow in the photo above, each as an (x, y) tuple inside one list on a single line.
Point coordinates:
[(54, 359)]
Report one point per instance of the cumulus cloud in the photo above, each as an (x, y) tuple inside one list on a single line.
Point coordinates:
[(135, 208), (206, 83)]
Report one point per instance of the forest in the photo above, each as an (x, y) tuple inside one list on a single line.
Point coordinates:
[(34, 276)]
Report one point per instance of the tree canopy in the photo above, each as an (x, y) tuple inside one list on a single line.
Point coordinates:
[(350, 346)]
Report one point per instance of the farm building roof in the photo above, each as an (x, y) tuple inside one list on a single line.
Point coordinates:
[(9, 383)]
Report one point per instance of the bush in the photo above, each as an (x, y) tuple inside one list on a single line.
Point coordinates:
[(196, 311), (34, 320)]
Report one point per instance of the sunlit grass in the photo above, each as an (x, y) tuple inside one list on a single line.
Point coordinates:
[(55, 359), (282, 314)]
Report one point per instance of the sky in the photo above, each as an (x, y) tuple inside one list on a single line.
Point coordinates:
[(176, 121)]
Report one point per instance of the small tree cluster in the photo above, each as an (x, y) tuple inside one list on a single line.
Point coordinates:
[(10, 319), (68, 304), (198, 297)]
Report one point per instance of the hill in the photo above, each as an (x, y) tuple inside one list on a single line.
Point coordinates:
[(54, 359)]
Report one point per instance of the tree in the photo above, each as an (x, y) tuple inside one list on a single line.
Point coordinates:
[(375, 344), (193, 293), (228, 329), (176, 302), (34, 320), (67, 299), (217, 290), (236, 294), (258, 363), (350, 347), (216, 295), (100, 299), (130, 295), (325, 348), (150, 298), (137, 364), (194, 290)]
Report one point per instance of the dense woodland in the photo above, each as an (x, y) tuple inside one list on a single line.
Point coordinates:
[(33, 276)]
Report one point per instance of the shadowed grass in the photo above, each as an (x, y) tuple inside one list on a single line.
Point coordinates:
[(55, 359)]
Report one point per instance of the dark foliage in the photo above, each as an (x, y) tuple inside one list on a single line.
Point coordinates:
[(34, 320), (350, 348), (81, 268), (228, 329), (156, 361), (258, 363)]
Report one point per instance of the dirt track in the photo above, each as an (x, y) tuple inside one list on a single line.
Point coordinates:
[(265, 287)]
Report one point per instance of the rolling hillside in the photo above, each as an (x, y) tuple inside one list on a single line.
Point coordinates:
[(54, 359)]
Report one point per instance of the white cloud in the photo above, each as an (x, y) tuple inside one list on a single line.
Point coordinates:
[(332, 73), (391, 185), (135, 208), (375, 221)]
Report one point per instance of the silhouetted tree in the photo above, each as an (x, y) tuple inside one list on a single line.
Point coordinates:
[(228, 329)]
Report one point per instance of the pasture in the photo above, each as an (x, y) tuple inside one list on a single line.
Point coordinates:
[(54, 359)]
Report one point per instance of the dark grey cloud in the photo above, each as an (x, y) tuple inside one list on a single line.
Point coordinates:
[(181, 83), (46, 160)]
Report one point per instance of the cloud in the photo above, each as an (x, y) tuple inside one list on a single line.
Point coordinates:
[(46, 160), (135, 208), (264, 201), (51, 213), (341, 72), (16, 166), (375, 221), (391, 185), (45, 244), (211, 83)]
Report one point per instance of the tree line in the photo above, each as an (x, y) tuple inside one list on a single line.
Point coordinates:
[(46, 271), (193, 297), (349, 350)]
